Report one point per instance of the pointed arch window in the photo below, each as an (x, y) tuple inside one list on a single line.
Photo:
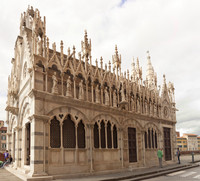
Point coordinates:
[(145, 139), (96, 136), (55, 133), (109, 137), (103, 140), (81, 135), (152, 136), (149, 138), (68, 133), (156, 143), (115, 136)]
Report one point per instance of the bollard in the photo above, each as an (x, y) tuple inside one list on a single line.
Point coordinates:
[(192, 157)]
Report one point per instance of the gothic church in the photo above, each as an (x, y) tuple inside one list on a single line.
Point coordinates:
[(68, 116)]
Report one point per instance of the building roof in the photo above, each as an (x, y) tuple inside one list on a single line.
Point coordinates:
[(3, 129), (181, 138), (189, 134)]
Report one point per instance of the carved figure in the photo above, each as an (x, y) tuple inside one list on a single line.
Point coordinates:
[(69, 87), (146, 107), (155, 109), (122, 94), (55, 84), (114, 98), (132, 104), (81, 91), (106, 97), (138, 105), (97, 94)]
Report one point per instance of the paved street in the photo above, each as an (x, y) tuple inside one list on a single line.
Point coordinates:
[(189, 175), (7, 176)]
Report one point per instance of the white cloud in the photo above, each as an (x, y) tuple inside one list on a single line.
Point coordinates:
[(168, 29)]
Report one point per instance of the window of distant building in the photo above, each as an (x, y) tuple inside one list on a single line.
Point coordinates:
[(3, 137), (3, 146)]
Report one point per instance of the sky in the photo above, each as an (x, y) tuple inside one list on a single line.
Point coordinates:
[(169, 30)]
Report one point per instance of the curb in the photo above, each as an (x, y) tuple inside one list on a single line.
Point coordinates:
[(151, 174)]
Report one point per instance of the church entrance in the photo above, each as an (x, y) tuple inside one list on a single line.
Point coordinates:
[(132, 145), (167, 144)]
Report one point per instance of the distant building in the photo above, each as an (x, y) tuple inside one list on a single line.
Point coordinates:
[(198, 139), (3, 131), (192, 142), (182, 143)]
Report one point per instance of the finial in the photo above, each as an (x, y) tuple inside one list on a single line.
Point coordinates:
[(96, 63), (148, 55), (128, 73), (109, 65), (68, 51), (86, 36), (74, 49), (164, 79), (61, 45), (105, 67), (54, 47), (116, 51), (47, 41), (101, 62), (79, 54)]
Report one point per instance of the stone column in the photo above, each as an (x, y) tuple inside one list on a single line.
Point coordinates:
[(61, 143), (92, 91), (90, 128), (121, 147), (75, 88), (19, 146), (86, 89), (99, 136), (112, 136), (106, 140), (16, 140), (101, 94), (37, 146), (62, 75), (144, 149), (76, 146)]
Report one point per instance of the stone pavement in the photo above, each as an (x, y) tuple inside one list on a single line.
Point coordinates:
[(7, 176), (185, 160)]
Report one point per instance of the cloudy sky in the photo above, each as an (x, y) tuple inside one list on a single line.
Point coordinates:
[(169, 29)]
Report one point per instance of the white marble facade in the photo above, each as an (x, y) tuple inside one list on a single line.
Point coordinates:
[(68, 116)]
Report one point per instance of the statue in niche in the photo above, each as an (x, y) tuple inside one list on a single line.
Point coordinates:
[(97, 94), (55, 84), (81, 90), (151, 108), (132, 104), (15, 84), (114, 98), (69, 87), (106, 97), (122, 94), (39, 46), (146, 107), (155, 109), (138, 105)]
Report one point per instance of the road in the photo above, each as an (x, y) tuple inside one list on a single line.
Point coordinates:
[(192, 174)]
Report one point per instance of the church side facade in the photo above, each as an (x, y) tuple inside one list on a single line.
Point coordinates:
[(67, 116)]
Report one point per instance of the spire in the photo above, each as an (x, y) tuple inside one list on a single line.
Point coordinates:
[(86, 47), (133, 70), (150, 76), (116, 59)]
